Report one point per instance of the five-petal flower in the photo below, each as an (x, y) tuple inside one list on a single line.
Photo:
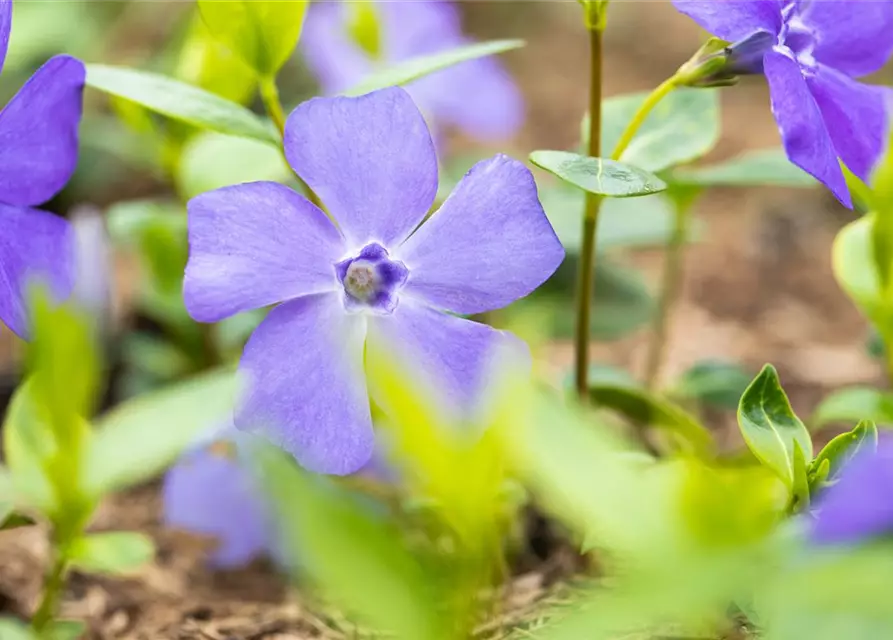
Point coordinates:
[(38, 154), (810, 52), (377, 276), (478, 96)]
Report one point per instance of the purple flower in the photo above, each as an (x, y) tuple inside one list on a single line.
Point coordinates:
[(38, 154), (377, 276), (211, 491), (810, 53), (859, 506), (477, 96)]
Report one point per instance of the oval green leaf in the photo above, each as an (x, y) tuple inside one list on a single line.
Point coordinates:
[(756, 168), (180, 101), (854, 404), (405, 72), (140, 438), (261, 34), (598, 175), (840, 450), (713, 382), (684, 126), (770, 427), (115, 552), (855, 268)]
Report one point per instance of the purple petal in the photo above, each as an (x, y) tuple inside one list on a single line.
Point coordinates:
[(255, 244), (39, 133), (733, 19), (479, 97), (450, 355), (34, 246), (803, 131), (331, 55), (5, 26), (488, 245), (856, 116), (210, 491), (852, 36), (371, 161), (860, 505), (307, 391)]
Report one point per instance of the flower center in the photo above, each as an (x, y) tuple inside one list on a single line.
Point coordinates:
[(371, 280)]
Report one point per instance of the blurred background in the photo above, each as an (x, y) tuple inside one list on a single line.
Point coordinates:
[(758, 284)]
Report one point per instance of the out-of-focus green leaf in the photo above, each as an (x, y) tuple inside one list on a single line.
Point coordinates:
[(853, 260), (12, 629), (642, 407), (415, 68), (770, 427), (683, 127), (65, 630), (115, 552), (263, 34), (207, 63), (180, 101), (126, 220), (713, 382), (141, 437), (212, 160), (358, 560), (364, 27), (800, 489), (759, 167), (159, 358), (853, 404), (846, 446), (598, 175)]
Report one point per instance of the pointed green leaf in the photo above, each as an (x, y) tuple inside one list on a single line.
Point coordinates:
[(770, 427), (853, 404), (356, 557), (682, 127), (598, 175), (114, 552), (262, 34), (846, 446), (405, 72), (180, 101), (141, 437), (648, 409), (800, 489), (760, 167)]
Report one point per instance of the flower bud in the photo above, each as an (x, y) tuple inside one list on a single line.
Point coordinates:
[(719, 63)]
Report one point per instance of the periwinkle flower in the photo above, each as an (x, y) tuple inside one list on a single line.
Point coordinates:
[(859, 506), (212, 491), (379, 276), (38, 154), (811, 51), (344, 42)]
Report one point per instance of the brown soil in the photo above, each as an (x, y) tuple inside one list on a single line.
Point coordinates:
[(759, 288)]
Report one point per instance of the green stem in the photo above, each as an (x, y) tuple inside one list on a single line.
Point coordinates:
[(669, 293), (590, 221), (661, 92), (52, 592), (270, 95)]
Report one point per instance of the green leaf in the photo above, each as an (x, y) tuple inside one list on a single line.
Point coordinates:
[(408, 70), (854, 404), (357, 558), (598, 175), (642, 407), (12, 629), (770, 427), (853, 261), (713, 382), (206, 63), (180, 101), (115, 552), (800, 488), (760, 168), (262, 34), (684, 126), (10, 519), (840, 450), (66, 630), (141, 437), (212, 160)]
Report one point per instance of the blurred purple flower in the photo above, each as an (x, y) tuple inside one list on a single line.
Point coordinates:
[(810, 52), (38, 154), (859, 506), (374, 277), (478, 96), (211, 491)]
